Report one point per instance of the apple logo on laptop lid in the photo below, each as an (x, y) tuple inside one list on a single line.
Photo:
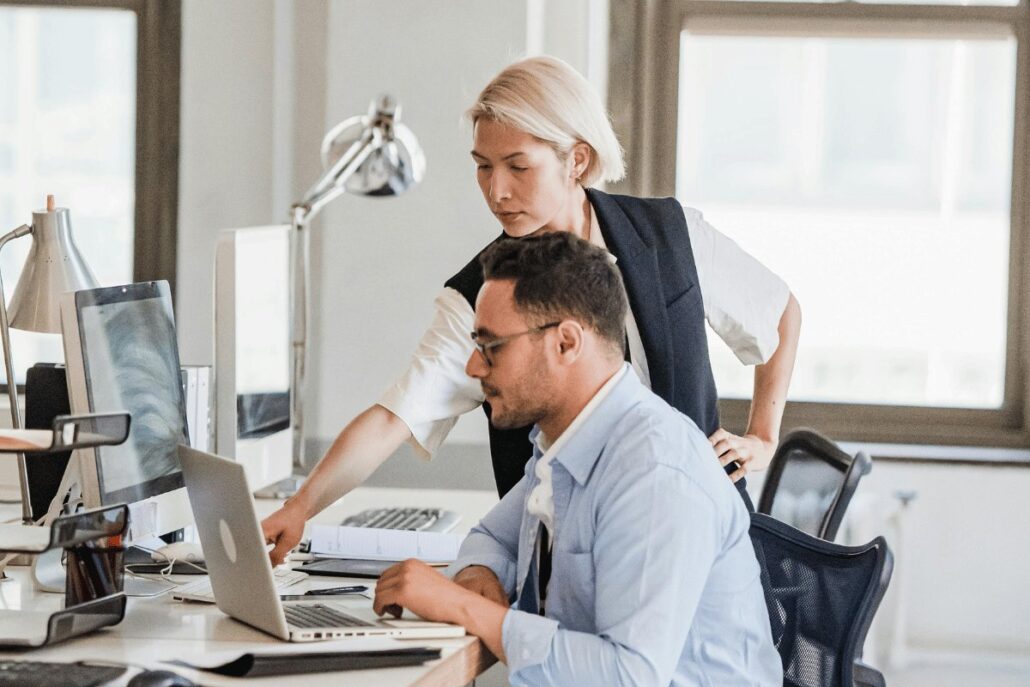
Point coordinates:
[(228, 543)]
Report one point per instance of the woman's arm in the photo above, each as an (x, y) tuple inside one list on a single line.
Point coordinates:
[(359, 449), (755, 449), (424, 403)]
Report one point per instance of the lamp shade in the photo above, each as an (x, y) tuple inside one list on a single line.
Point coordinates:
[(54, 266), (394, 162)]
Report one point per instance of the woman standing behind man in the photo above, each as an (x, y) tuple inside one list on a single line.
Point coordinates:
[(541, 140)]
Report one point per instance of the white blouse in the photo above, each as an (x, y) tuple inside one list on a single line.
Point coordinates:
[(743, 302)]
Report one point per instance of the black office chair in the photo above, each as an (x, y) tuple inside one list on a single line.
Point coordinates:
[(810, 483), (821, 598)]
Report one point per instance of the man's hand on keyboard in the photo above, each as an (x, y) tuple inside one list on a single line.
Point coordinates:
[(431, 596), (283, 528), (483, 581)]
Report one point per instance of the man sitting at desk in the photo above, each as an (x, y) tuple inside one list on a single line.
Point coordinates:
[(654, 576)]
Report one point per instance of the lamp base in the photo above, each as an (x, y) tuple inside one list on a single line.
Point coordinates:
[(283, 489)]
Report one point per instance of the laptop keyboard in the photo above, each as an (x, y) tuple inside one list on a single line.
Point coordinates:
[(319, 615)]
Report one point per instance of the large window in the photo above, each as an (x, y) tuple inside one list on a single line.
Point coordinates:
[(83, 116), (873, 156)]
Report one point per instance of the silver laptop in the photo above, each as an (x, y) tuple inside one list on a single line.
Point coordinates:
[(241, 573)]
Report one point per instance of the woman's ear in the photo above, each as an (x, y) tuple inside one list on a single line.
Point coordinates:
[(580, 156)]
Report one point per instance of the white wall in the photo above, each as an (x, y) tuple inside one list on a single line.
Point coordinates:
[(373, 255), (389, 256), (379, 262), (226, 152), (967, 557)]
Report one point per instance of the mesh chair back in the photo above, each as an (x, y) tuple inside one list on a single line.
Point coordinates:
[(811, 482), (821, 599)]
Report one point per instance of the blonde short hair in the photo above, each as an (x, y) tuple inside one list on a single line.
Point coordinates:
[(548, 99)]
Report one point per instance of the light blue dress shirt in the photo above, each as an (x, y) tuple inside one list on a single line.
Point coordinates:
[(654, 579)]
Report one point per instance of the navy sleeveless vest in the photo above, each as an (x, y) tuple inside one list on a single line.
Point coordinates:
[(648, 237)]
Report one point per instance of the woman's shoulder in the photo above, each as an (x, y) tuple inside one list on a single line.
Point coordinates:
[(653, 217), (635, 202)]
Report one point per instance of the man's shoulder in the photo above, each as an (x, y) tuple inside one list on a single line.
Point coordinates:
[(652, 432)]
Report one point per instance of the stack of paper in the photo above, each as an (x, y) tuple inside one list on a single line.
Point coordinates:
[(368, 543)]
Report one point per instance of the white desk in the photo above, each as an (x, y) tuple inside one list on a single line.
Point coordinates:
[(159, 628)]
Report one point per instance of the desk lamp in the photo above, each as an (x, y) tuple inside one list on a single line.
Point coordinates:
[(53, 266), (369, 155)]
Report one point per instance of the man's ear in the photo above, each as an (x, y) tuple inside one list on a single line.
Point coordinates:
[(570, 340)]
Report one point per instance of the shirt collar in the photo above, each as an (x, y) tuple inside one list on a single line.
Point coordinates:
[(580, 445)]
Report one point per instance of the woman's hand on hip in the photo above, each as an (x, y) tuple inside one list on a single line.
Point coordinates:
[(751, 452)]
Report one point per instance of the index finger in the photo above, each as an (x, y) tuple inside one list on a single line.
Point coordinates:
[(278, 553)]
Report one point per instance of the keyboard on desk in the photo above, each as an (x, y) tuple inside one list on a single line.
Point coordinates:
[(418, 519), (200, 590), (33, 673)]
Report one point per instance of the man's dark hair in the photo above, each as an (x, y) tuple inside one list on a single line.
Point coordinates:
[(557, 276)]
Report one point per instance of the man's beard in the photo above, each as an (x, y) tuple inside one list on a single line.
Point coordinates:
[(524, 405), (518, 417)]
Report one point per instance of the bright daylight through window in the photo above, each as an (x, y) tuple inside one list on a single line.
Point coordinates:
[(873, 174), (67, 127)]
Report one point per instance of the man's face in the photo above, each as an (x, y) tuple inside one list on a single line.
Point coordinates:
[(514, 375)]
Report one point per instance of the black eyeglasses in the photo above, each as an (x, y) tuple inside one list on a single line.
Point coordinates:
[(484, 347)]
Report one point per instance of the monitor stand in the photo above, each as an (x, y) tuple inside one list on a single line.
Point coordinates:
[(283, 489)]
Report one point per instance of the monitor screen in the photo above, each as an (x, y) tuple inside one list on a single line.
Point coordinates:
[(131, 362), (262, 331)]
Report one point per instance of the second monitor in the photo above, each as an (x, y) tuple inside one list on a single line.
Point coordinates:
[(122, 354), (252, 351)]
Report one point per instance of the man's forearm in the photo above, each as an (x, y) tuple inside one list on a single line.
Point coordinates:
[(772, 378), (484, 619), (357, 452)]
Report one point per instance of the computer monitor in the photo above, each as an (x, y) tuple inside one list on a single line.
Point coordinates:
[(252, 351), (121, 354)]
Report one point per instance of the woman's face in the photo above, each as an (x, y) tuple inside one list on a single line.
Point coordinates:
[(524, 183)]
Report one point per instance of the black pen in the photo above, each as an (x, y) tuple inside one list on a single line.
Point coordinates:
[(332, 591)]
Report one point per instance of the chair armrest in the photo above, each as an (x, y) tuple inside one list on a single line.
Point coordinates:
[(867, 676)]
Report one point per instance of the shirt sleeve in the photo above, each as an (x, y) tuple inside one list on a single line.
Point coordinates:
[(743, 298), (494, 542), (642, 612), (435, 391)]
